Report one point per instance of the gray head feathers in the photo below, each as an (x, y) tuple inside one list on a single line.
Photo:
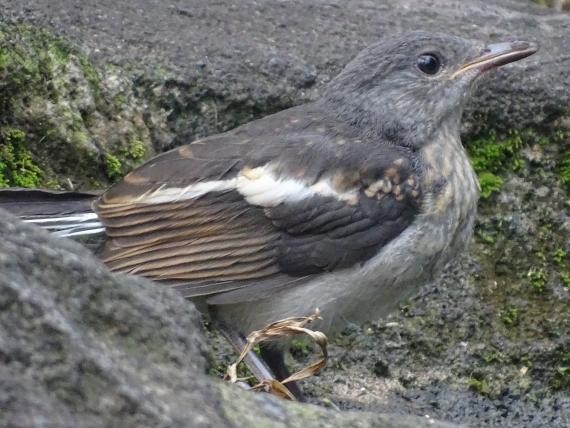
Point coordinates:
[(385, 93)]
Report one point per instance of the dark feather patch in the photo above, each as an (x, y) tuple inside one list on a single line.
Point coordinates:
[(219, 243), (29, 203)]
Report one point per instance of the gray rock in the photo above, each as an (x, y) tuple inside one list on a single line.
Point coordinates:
[(488, 345), (214, 65), (80, 347)]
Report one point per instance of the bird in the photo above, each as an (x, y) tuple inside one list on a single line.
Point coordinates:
[(349, 203)]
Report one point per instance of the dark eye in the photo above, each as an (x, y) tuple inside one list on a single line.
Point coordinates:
[(429, 63)]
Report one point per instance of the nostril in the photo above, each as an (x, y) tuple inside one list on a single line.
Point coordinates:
[(520, 45)]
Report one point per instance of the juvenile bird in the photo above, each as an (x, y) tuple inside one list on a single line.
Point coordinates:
[(349, 203)]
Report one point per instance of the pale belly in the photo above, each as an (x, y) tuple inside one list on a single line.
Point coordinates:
[(368, 291)]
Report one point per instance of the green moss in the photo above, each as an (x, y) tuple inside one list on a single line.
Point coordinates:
[(215, 368), (479, 386), (75, 131), (113, 166), (120, 162), (510, 316), (245, 374), (538, 279), (492, 155), (495, 154), (560, 374), (16, 165), (559, 257), (89, 72), (545, 3), (490, 183), (565, 278), (494, 357), (29, 57), (488, 237), (136, 150), (33, 67), (565, 170)]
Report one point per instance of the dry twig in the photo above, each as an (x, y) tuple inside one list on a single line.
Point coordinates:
[(287, 327)]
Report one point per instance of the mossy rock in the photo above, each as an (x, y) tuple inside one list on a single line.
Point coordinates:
[(16, 165), (61, 120), (495, 155)]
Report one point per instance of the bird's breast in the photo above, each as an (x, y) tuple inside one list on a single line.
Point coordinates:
[(451, 193), (374, 288)]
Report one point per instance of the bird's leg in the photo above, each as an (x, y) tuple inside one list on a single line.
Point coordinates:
[(273, 356), (255, 364), (269, 365)]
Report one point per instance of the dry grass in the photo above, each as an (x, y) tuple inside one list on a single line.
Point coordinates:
[(288, 327)]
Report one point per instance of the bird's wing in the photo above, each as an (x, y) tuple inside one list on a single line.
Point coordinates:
[(240, 209)]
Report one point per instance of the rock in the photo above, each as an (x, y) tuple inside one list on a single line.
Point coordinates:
[(542, 192), (80, 346), (487, 345), (381, 369), (62, 123), (533, 154), (202, 70), (457, 359)]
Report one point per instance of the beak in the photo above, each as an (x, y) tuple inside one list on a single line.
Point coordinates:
[(498, 54)]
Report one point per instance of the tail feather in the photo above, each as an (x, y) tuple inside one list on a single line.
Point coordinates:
[(63, 213)]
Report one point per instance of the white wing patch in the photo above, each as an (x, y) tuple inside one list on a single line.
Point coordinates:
[(165, 194), (259, 186)]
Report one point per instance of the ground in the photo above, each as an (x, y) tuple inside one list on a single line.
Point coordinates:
[(489, 343)]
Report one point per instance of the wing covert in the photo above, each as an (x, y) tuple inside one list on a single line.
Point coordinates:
[(227, 212)]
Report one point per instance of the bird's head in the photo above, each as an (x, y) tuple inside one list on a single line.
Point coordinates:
[(410, 85)]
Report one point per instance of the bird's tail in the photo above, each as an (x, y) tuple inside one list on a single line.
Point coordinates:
[(63, 213)]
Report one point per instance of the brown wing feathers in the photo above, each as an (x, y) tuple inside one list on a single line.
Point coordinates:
[(183, 218), (217, 236)]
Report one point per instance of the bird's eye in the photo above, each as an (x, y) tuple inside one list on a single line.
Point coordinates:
[(429, 63)]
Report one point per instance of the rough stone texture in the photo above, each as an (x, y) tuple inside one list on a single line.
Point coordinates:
[(205, 66), (82, 347), (62, 123), (449, 355), (489, 344)]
